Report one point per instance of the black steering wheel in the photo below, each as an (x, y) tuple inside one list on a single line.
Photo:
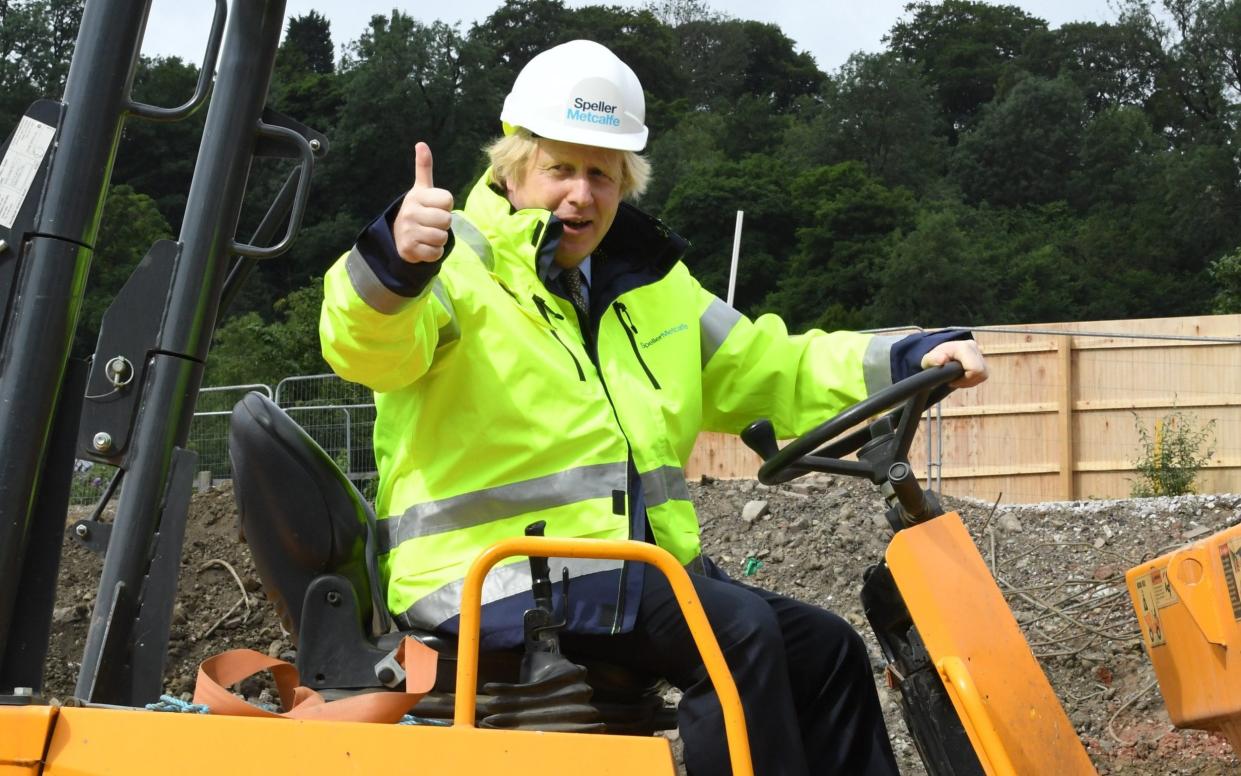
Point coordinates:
[(822, 448)]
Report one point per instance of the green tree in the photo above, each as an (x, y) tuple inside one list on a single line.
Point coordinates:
[(1202, 196), (403, 82), (304, 83), (848, 222), (131, 224), (690, 148), (1117, 159), (702, 205), (962, 48), (37, 38), (724, 58), (1199, 72), (308, 45), (248, 349), (1113, 65), (158, 159), (1023, 148), (1226, 272), (519, 29), (674, 13), (937, 273), (877, 110)]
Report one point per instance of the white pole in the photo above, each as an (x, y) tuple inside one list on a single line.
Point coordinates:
[(732, 272)]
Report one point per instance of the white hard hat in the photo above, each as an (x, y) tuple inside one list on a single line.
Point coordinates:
[(578, 92)]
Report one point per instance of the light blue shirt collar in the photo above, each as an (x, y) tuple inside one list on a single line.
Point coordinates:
[(555, 269)]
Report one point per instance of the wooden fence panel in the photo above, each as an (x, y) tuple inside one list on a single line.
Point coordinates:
[(1058, 417)]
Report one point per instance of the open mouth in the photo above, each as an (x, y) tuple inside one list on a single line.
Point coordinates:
[(576, 224)]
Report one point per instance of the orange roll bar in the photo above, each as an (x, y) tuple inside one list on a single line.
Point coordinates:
[(691, 607)]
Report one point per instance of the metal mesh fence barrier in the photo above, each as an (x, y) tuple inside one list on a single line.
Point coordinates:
[(338, 415)]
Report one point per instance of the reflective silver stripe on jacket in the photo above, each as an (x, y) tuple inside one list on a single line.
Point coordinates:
[(469, 234), (450, 331), (667, 483), (490, 504), (370, 289), (514, 579), (715, 324), (877, 362)]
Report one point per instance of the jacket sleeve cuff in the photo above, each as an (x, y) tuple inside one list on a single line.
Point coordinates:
[(877, 362), (376, 248), (906, 356)]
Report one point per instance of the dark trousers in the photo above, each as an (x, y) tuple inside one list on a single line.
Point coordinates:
[(803, 674)]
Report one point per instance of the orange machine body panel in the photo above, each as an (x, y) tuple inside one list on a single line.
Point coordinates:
[(1188, 603), (23, 735), (1004, 700), (105, 741), (108, 742)]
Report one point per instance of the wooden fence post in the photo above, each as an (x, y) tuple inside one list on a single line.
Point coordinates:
[(1064, 347)]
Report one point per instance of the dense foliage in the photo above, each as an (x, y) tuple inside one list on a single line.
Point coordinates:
[(984, 168)]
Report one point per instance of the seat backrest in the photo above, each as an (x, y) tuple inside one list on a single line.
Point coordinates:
[(300, 514)]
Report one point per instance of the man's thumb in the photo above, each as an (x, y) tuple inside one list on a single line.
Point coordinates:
[(422, 167), (933, 359)]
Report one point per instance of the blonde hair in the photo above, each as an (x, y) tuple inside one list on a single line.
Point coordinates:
[(510, 158)]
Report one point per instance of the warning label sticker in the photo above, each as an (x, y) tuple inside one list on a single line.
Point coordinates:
[(1151, 625), (1161, 588), (1230, 555), (20, 165)]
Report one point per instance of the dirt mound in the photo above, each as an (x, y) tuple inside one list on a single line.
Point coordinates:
[(220, 604), (1061, 565), (814, 538)]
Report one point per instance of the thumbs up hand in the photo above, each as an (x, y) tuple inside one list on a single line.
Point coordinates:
[(421, 226)]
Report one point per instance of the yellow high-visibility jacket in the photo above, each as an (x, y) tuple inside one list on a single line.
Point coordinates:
[(499, 405)]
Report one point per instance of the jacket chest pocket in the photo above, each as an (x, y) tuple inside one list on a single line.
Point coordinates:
[(631, 333), (549, 316), (653, 379)]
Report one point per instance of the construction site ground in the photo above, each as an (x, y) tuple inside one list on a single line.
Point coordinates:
[(811, 539)]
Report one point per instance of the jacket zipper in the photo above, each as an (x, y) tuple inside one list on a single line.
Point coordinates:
[(622, 313), (547, 314)]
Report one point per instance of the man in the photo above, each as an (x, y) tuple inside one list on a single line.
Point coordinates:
[(543, 354)]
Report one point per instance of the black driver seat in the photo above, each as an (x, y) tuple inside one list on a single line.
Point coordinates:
[(313, 540)]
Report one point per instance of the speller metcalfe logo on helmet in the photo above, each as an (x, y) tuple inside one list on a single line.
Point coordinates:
[(593, 112), (596, 105)]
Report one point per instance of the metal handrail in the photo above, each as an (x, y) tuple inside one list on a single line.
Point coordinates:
[(678, 578)]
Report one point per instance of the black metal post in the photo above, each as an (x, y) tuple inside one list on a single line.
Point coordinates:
[(130, 616), (43, 308)]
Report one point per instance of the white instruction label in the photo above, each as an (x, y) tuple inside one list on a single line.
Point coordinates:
[(20, 165)]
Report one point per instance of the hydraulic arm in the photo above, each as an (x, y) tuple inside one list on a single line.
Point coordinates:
[(137, 400)]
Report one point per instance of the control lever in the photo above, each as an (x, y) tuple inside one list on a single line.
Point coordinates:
[(551, 692), (760, 436), (541, 626)]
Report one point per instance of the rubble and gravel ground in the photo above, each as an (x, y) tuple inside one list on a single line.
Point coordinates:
[(811, 539)]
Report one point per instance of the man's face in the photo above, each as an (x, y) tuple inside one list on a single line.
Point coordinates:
[(580, 185)]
